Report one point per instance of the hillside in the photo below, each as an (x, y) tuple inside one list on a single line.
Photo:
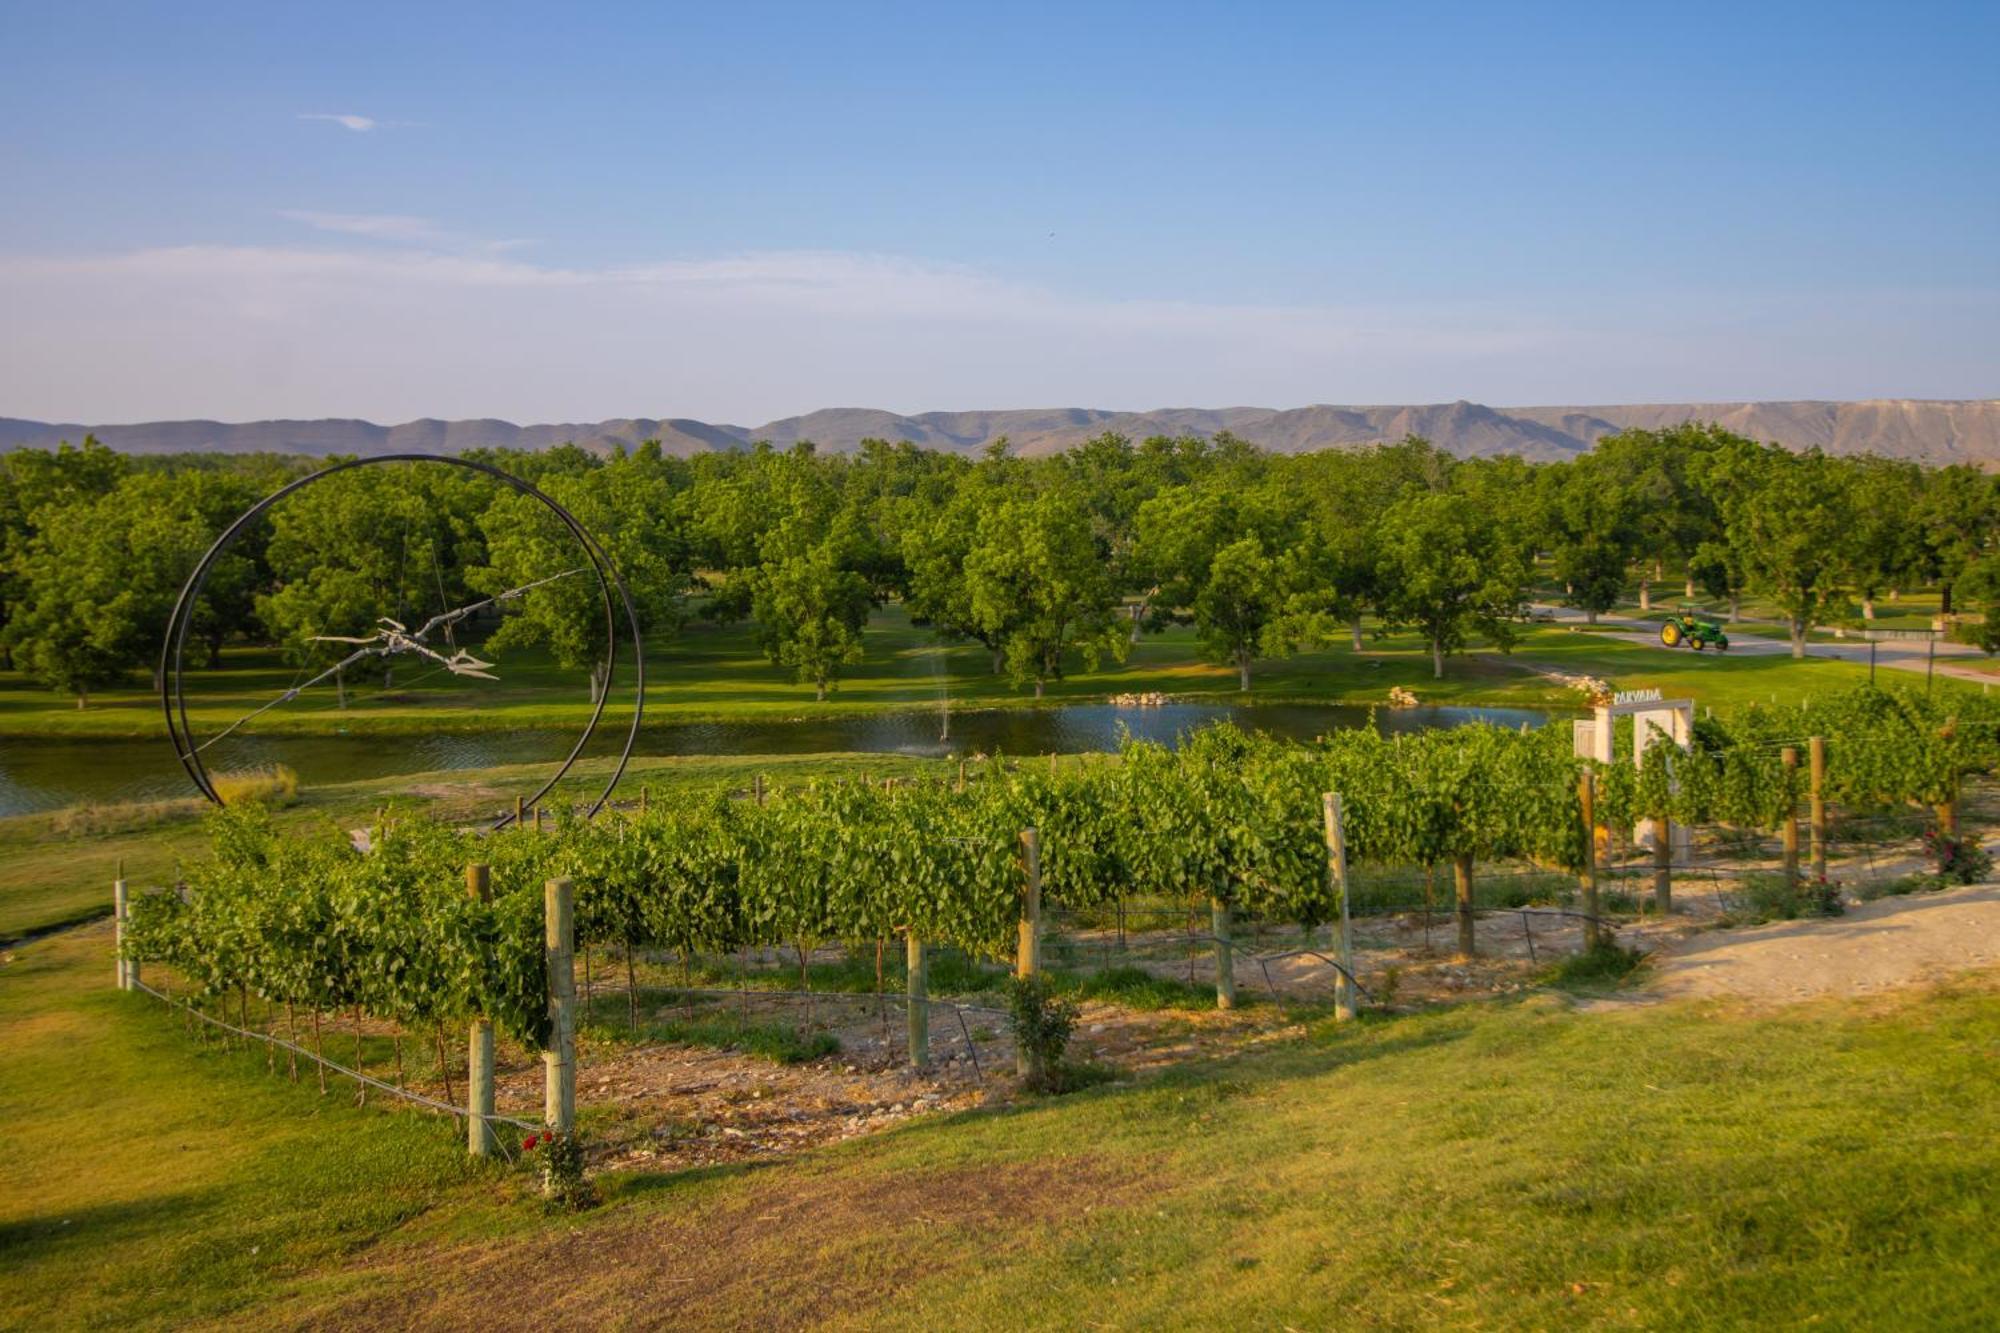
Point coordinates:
[(1934, 431)]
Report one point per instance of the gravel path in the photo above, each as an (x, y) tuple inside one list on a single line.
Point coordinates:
[(1879, 946)]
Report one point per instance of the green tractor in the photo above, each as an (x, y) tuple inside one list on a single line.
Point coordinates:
[(1685, 627)]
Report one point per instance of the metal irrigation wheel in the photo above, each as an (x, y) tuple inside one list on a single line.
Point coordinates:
[(611, 593)]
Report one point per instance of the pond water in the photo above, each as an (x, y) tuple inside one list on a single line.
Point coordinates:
[(46, 774)]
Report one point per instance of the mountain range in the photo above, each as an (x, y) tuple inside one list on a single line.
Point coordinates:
[(1934, 431)]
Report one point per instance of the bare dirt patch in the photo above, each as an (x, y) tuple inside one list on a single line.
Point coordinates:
[(789, 1250), (674, 1106)]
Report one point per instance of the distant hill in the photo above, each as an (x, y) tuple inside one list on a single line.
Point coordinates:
[(1933, 431)]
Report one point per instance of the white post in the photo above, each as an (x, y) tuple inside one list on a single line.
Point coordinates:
[(559, 1058), (480, 1140), (1344, 994), (121, 907)]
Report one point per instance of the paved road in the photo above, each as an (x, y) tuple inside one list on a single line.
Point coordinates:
[(1890, 654)]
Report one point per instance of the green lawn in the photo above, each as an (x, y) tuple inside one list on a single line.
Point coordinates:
[(709, 674), (1509, 1165)]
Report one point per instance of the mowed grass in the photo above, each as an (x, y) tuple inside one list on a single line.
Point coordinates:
[(1509, 1165), (706, 674), (156, 1181)]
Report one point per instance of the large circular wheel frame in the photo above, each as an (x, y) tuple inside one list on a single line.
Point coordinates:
[(611, 593)]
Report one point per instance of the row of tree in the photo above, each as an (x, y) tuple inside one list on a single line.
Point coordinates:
[(1044, 562)]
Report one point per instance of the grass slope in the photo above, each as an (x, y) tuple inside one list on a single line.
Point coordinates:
[(1517, 1165)]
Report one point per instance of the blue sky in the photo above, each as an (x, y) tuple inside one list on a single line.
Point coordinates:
[(739, 212)]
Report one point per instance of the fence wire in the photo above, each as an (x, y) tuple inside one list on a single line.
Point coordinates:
[(280, 1043)]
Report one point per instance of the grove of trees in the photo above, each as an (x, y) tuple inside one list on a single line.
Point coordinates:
[(1047, 563)]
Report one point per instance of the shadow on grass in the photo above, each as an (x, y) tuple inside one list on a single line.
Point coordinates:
[(28, 1240)]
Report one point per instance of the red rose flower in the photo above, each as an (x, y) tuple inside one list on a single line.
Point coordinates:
[(528, 1144)]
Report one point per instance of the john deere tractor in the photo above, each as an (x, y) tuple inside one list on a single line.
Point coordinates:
[(1685, 627)]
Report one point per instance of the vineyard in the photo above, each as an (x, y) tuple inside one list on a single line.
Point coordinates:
[(1228, 827)]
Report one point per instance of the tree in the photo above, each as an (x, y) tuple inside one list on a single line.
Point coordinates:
[(1978, 587), (1038, 584), (1239, 604), (97, 581), (1960, 520), (810, 613), (366, 545), (30, 481), (1449, 573), (1587, 521), (1791, 528), (1656, 475), (1885, 547), (631, 507)]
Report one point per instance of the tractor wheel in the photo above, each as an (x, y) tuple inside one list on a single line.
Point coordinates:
[(1670, 634), (1696, 644)]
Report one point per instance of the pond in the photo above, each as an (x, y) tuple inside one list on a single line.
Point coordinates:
[(46, 774)]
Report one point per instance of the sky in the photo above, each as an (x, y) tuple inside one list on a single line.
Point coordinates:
[(741, 212)]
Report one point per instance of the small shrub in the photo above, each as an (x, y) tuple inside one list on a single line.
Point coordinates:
[(1391, 982), (1617, 902), (1894, 888), (564, 1185), (1136, 988), (274, 785), (1042, 1020), (1958, 860), (1771, 897), (1820, 896), (1603, 967), (1076, 1075)]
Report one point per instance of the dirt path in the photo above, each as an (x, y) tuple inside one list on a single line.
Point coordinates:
[(1880, 946)]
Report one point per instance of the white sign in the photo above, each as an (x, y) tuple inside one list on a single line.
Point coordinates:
[(1636, 697)]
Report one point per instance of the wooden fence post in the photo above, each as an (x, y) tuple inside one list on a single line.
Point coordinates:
[(1028, 952), (1790, 831), (1461, 877), (919, 1003), (1587, 795), (559, 1057), (121, 907), (1663, 865), (1816, 769), (1344, 990), (520, 810), (480, 1139), (1219, 921)]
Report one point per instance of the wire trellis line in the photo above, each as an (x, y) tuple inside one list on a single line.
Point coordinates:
[(430, 1103)]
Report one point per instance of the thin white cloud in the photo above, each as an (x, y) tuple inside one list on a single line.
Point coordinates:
[(397, 229), (415, 326), (359, 124)]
